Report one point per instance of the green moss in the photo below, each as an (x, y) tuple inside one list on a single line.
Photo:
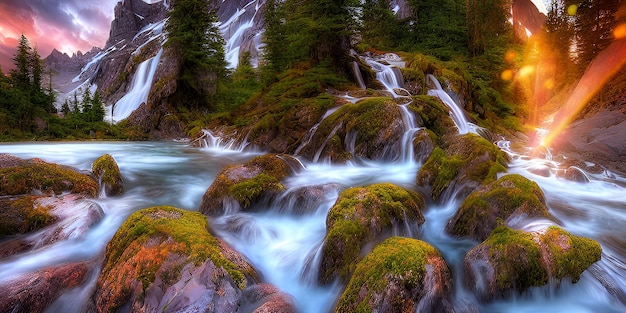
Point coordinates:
[(478, 214), (189, 229), (22, 215), (571, 255), (106, 169), (516, 258), (248, 190), (396, 257), (361, 215), (469, 159), (47, 177)]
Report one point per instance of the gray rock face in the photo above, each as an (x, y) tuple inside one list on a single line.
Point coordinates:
[(131, 16)]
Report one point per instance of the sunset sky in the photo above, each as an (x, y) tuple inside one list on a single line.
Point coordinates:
[(67, 25)]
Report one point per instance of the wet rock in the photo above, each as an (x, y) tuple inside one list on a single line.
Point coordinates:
[(573, 173), (55, 219), (108, 174), (362, 216), (306, 199), (461, 166), (511, 199), (164, 259), (512, 261), (240, 186), (399, 275), (266, 298), (34, 292)]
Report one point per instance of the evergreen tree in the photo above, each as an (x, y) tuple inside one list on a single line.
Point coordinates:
[(274, 37), (36, 69), (65, 108), (97, 108), (381, 28), (22, 60), (195, 38), (487, 24)]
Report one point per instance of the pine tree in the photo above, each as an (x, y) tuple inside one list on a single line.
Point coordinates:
[(22, 60), (97, 108), (274, 37), (195, 38)]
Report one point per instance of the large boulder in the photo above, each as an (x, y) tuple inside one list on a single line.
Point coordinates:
[(510, 199), (512, 261), (165, 259), (108, 174), (240, 186), (362, 216), (399, 275), (460, 166)]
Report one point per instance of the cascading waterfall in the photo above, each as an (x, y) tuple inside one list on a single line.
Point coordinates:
[(456, 112), (139, 89), (210, 141)]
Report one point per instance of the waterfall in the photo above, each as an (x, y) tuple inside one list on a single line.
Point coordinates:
[(410, 128), (357, 75), (456, 112), (239, 27), (139, 89), (390, 76), (210, 141)]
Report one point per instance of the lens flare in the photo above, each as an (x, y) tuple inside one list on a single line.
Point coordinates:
[(572, 9), (620, 31), (507, 74), (604, 66)]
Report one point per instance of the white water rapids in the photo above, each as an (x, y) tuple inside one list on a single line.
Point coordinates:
[(282, 242)]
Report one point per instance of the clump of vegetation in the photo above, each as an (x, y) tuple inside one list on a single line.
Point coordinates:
[(393, 278), (362, 215)]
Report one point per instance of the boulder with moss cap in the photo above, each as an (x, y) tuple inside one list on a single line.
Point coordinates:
[(164, 257), (461, 165), (512, 261), (399, 275), (241, 186), (108, 174), (362, 216), (511, 199)]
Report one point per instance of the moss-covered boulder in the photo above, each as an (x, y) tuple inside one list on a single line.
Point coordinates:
[(108, 174), (240, 186), (512, 261), (35, 176), (23, 182), (399, 275), (371, 128), (461, 165), (510, 199), (362, 216), (165, 257)]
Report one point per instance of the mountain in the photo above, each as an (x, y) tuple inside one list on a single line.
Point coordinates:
[(133, 60)]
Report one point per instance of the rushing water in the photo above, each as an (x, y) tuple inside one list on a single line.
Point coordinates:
[(282, 242)]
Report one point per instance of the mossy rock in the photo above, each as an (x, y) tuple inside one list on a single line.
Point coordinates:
[(461, 166), (510, 199), (156, 248), (22, 215), (399, 275), (371, 128), (36, 175), (364, 215), (241, 186), (512, 261), (108, 174)]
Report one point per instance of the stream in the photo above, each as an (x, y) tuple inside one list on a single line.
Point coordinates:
[(282, 244)]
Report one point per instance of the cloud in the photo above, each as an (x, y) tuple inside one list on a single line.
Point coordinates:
[(67, 25)]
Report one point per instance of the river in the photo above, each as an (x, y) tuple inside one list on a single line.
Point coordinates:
[(280, 242)]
